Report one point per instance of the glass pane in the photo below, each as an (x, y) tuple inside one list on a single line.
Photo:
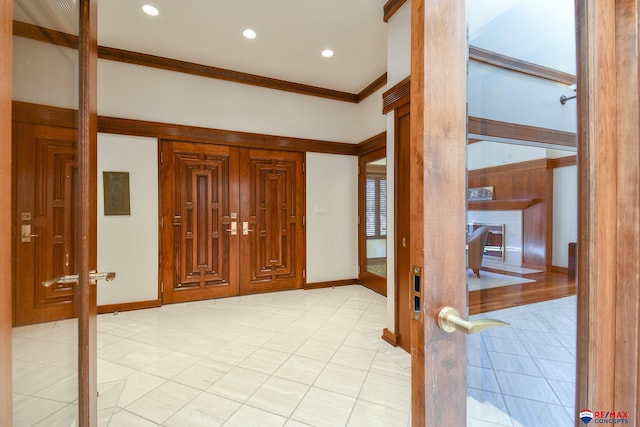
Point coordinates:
[(376, 217), (521, 218), (45, 95)]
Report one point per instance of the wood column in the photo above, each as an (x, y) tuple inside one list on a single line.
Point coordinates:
[(609, 222), (6, 15), (87, 245), (438, 206)]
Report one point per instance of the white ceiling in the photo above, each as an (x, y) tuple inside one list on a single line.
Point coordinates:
[(292, 33)]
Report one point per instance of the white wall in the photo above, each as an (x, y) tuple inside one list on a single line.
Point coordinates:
[(135, 92), (498, 94), (332, 217), (128, 244), (399, 45), (565, 213), (44, 73)]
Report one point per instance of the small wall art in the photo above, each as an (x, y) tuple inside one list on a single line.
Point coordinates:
[(116, 193)]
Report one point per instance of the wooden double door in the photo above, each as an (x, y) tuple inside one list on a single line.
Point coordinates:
[(232, 221)]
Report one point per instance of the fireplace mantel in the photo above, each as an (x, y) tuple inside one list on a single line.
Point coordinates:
[(502, 205)]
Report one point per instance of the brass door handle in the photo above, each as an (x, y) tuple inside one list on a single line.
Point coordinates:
[(73, 278), (449, 320), (245, 228), (234, 228)]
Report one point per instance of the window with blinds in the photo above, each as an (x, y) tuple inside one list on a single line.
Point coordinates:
[(376, 206)]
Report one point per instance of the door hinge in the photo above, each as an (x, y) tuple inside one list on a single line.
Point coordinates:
[(161, 158), (304, 167)]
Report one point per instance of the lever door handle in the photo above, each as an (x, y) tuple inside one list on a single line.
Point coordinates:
[(234, 228), (245, 228), (449, 320), (73, 278)]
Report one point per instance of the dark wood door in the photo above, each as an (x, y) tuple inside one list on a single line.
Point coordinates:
[(403, 293), (232, 221), (45, 213), (199, 204), (272, 248)]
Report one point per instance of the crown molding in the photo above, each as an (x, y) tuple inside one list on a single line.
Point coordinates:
[(46, 35), (391, 7), (520, 66)]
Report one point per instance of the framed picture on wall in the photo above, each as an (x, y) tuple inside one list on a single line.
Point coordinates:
[(480, 193), (116, 193)]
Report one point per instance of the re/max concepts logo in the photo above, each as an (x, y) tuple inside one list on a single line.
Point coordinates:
[(604, 417)]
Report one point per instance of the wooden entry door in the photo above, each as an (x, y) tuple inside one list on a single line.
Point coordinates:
[(45, 218), (271, 229), (232, 221)]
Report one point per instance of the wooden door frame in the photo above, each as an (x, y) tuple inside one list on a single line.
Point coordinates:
[(6, 39), (608, 214), (438, 180), (88, 245), (608, 206), (371, 281)]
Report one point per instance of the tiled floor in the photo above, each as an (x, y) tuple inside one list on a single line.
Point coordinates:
[(295, 358)]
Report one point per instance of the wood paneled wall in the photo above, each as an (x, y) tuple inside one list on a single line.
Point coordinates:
[(6, 13), (530, 181)]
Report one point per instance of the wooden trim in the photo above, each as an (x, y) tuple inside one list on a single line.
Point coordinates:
[(44, 114), (225, 137), (6, 396), (561, 162), (519, 66), (397, 96), (389, 337), (331, 284), (373, 86), (88, 221), (560, 270), (129, 306), (608, 263), (146, 60), (64, 117), (46, 35), (498, 129), (372, 144), (391, 7), (503, 205)]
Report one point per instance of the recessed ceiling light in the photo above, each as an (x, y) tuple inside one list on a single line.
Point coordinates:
[(327, 53), (150, 10), (249, 33)]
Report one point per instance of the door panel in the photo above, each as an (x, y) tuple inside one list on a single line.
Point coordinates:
[(199, 198), (272, 197), (46, 178)]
